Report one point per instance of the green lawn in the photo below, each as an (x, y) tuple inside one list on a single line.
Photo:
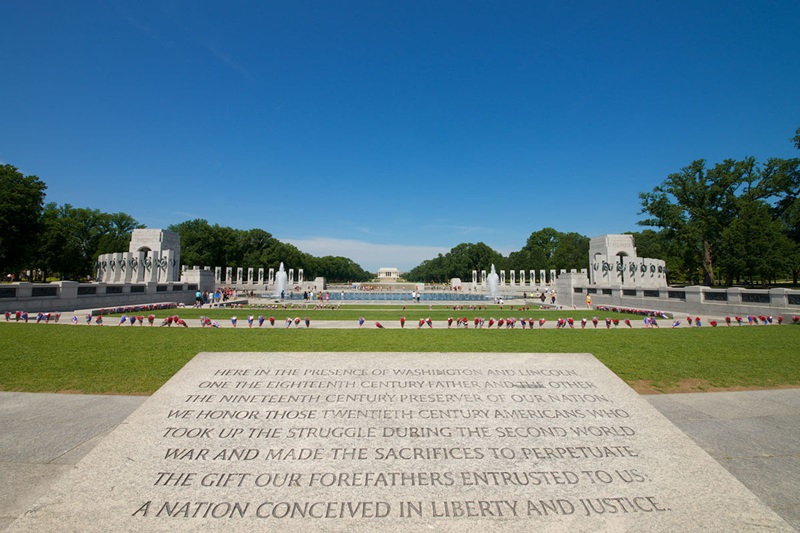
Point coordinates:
[(138, 360)]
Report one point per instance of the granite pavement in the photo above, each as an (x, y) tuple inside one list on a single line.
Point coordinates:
[(755, 435)]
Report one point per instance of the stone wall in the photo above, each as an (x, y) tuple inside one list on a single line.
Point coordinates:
[(693, 300), (71, 295)]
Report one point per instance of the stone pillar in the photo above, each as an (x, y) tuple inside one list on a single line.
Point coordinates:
[(617, 274), (260, 276), (152, 273), (552, 277), (521, 278), (249, 276), (513, 280), (290, 279), (139, 267), (68, 290), (106, 267), (502, 278), (542, 278), (299, 276), (483, 278), (129, 273), (228, 275), (630, 270), (111, 273), (102, 267), (271, 278), (602, 275), (218, 275), (474, 277), (170, 273), (694, 298), (122, 267), (119, 272), (239, 275)]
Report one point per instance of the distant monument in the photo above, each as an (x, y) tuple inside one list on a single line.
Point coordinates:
[(388, 274), (153, 256), (613, 263)]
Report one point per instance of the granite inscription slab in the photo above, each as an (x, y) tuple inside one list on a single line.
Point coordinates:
[(397, 442)]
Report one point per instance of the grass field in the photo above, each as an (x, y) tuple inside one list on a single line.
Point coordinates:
[(138, 360)]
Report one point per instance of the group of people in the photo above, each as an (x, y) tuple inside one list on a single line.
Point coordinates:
[(310, 296)]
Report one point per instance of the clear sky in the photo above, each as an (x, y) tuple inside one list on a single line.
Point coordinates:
[(390, 131)]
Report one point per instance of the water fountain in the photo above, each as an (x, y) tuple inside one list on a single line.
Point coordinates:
[(493, 284), (280, 283)]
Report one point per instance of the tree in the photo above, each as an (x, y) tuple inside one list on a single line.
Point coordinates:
[(59, 247), (551, 249), (781, 184), (73, 237), (115, 232), (754, 244), (21, 201), (572, 251), (694, 205), (204, 244), (543, 243), (459, 262)]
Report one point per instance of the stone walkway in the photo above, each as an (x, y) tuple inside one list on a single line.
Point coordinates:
[(755, 435)]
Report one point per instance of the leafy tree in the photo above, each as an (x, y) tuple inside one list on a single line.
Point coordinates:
[(693, 206), (543, 243), (203, 244), (551, 249), (572, 251), (459, 262), (21, 201), (754, 244), (115, 232), (73, 237)]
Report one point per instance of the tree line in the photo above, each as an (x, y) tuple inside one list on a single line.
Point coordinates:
[(63, 241), (733, 222), (54, 240), (203, 244), (545, 249)]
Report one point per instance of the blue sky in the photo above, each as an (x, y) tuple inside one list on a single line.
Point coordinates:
[(388, 131)]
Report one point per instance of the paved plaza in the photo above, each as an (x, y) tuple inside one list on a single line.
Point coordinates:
[(755, 435)]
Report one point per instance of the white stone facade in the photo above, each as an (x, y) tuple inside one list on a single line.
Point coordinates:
[(613, 263), (388, 274)]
